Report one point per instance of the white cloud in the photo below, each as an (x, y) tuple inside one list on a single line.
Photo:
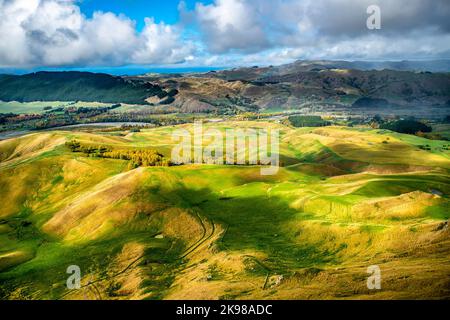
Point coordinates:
[(225, 32), (56, 33), (334, 29), (231, 24), (160, 43)]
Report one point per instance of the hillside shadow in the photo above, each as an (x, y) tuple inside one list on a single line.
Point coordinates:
[(254, 223)]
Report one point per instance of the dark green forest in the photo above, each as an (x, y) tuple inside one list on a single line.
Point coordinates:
[(75, 86)]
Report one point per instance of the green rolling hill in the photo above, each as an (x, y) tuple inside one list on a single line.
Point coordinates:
[(346, 198)]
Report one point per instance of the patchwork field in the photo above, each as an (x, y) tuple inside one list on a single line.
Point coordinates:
[(345, 199)]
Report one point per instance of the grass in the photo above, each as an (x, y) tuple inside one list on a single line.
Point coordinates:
[(215, 231), (438, 212)]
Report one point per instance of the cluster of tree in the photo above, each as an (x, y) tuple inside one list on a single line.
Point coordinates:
[(446, 119), (141, 117), (126, 127), (428, 147), (51, 122), (12, 121), (58, 117), (307, 121), (89, 111), (408, 126), (430, 136), (54, 117), (4, 117), (88, 149), (136, 158)]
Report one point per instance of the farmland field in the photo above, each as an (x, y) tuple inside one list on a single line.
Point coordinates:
[(343, 200), (37, 107)]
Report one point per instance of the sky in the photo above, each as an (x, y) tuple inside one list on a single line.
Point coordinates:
[(174, 34), (162, 11)]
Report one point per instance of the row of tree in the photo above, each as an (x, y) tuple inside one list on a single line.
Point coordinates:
[(136, 158)]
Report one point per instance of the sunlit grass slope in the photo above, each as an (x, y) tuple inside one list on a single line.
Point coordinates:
[(345, 199)]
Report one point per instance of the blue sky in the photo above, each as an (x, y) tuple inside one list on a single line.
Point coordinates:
[(162, 10), (177, 34)]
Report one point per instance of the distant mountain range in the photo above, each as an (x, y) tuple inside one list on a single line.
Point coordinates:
[(290, 86), (405, 65), (255, 72), (308, 82)]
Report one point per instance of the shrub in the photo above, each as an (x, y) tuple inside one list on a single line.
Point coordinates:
[(307, 121), (406, 126)]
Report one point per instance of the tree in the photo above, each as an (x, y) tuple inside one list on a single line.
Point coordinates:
[(406, 126)]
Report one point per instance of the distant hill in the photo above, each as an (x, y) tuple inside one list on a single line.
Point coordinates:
[(435, 66), (74, 86), (302, 84), (404, 65), (301, 66), (305, 83)]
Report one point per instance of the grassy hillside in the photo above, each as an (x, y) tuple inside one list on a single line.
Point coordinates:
[(74, 86), (347, 198)]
